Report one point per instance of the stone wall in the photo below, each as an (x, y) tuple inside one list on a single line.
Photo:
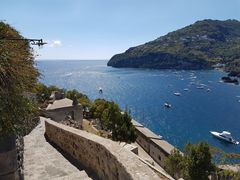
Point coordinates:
[(143, 141), (158, 154), (106, 158), (8, 159)]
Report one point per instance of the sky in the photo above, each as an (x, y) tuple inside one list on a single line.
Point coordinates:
[(99, 29)]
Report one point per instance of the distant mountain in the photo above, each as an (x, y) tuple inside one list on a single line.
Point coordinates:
[(197, 46)]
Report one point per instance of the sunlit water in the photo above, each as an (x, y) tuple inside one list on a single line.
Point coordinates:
[(144, 92)]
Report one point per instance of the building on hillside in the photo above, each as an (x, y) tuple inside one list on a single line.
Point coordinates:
[(153, 144), (62, 109), (159, 150), (144, 137)]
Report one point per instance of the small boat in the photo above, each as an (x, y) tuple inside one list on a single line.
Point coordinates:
[(167, 105), (100, 90), (177, 94), (200, 87), (225, 135), (208, 90), (186, 89)]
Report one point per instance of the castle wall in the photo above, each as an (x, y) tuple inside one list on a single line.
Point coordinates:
[(105, 157)]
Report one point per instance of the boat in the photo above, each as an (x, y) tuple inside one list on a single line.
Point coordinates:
[(200, 87), (167, 105), (177, 94), (225, 135), (186, 89), (100, 90)]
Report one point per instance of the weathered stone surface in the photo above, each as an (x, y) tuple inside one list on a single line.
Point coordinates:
[(106, 158), (43, 162)]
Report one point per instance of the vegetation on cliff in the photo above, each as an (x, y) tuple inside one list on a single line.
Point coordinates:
[(110, 115), (18, 76), (114, 120), (198, 46), (195, 164), (43, 93)]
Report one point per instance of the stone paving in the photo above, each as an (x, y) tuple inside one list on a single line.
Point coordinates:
[(42, 161)]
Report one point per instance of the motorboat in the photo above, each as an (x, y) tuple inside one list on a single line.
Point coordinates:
[(177, 94), (100, 90), (167, 105), (225, 135), (186, 89), (200, 87)]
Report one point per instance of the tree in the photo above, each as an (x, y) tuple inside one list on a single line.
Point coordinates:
[(17, 76), (194, 165), (82, 98), (114, 120), (175, 164), (198, 161)]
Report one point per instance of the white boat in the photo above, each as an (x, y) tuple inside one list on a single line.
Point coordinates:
[(177, 94), (186, 89), (100, 90), (225, 135), (200, 87), (167, 105)]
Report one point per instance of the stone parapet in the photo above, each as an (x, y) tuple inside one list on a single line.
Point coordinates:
[(104, 157)]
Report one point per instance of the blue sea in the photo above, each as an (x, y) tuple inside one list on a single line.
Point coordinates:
[(144, 91)]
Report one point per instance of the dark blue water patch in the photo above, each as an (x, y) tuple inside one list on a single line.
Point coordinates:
[(207, 105)]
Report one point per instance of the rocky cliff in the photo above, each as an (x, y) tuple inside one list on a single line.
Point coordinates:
[(197, 46)]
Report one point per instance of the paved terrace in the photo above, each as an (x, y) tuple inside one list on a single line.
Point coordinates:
[(43, 162)]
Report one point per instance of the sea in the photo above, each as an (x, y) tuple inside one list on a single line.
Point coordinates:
[(205, 104)]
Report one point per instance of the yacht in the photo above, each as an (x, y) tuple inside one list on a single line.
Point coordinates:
[(100, 90), (177, 94), (225, 135)]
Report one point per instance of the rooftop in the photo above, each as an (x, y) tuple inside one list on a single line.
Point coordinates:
[(148, 133), (60, 104), (137, 124), (164, 145)]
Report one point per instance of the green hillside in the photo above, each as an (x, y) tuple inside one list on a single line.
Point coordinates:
[(198, 46)]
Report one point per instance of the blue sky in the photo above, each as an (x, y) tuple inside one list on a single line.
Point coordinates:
[(98, 29)]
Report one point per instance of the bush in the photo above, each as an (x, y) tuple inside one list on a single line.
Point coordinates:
[(17, 76), (194, 165), (113, 120)]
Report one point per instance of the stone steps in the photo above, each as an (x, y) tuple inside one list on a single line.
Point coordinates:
[(43, 162)]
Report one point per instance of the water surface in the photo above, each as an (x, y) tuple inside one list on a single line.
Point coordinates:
[(144, 91)]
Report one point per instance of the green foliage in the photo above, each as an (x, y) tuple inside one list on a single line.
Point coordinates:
[(234, 68), (221, 157), (17, 76), (82, 98), (112, 119), (194, 165), (175, 164), (227, 174), (198, 161), (197, 46), (98, 107), (43, 93)]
